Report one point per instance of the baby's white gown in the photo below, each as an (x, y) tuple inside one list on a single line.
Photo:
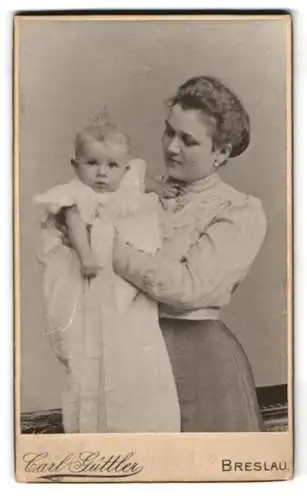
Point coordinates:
[(106, 332)]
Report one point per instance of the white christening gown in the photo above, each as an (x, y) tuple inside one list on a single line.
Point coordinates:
[(105, 331)]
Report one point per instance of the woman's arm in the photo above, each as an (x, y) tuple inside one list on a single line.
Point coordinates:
[(78, 238), (212, 267)]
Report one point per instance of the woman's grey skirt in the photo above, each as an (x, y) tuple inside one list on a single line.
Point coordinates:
[(213, 377)]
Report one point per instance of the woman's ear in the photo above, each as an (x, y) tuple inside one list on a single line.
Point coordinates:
[(222, 154)]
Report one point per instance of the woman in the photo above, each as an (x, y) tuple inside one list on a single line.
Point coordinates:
[(212, 234)]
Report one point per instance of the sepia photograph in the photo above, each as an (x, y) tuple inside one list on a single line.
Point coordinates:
[(153, 247)]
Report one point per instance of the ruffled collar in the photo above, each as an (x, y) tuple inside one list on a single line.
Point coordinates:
[(199, 186), (190, 193), (126, 199)]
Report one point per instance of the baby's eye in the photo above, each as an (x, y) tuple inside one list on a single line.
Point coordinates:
[(92, 162), (113, 164)]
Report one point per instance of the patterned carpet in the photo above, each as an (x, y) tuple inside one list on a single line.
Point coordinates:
[(272, 401)]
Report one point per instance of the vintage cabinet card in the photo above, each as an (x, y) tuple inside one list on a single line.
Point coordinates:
[(153, 247)]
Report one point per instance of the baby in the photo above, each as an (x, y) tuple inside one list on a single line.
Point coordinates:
[(105, 331), (101, 162)]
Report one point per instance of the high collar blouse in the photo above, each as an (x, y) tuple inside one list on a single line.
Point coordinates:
[(212, 234)]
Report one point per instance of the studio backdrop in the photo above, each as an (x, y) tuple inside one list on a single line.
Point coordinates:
[(70, 70)]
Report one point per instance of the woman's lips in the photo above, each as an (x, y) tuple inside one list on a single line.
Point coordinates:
[(173, 161)]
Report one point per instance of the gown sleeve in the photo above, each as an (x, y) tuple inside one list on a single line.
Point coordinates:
[(57, 198)]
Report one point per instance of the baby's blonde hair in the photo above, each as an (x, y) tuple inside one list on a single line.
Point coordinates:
[(101, 129)]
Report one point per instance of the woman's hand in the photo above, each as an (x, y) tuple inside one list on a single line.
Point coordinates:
[(170, 190), (162, 188), (60, 224)]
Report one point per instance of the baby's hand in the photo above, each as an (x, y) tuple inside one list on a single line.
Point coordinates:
[(163, 189), (89, 266)]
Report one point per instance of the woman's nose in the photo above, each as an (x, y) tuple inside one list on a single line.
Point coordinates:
[(174, 146)]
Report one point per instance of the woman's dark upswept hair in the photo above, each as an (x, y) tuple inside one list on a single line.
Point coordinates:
[(230, 121)]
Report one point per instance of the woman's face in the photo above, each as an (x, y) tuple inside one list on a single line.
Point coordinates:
[(187, 145)]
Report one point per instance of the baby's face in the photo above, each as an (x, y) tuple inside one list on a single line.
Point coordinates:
[(101, 166)]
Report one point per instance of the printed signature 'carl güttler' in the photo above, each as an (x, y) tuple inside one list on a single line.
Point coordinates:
[(83, 464)]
